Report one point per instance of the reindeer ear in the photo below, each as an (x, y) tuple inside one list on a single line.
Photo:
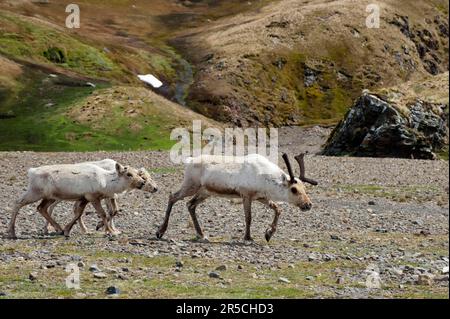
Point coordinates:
[(120, 169)]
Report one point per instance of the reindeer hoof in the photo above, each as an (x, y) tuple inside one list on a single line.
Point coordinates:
[(249, 239), (159, 235), (11, 236), (268, 235), (203, 240)]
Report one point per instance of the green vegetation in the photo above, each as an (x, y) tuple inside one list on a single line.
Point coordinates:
[(39, 121), (155, 276), (419, 193), (26, 39), (35, 108), (443, 154)]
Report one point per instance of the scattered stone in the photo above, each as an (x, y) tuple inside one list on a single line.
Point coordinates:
[(278, 24), (214, 274), (94, 268), (111, 270), (441, 278), (371, 203), (425, 279), (340, 281), (3, 294), (81, 264), (179, 264), (335, 237), (309, 278), (221, 268), (100, 275), (445, 270), (284, 280), (112, 290), (33, 276), (122, 277)]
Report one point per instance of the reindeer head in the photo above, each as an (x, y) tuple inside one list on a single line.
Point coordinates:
[(150, 185), (130, 176), (297, 192)]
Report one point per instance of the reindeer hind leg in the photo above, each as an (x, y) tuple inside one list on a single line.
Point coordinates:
[(47, 228), (42, 209), (192, 205), (27, 198)]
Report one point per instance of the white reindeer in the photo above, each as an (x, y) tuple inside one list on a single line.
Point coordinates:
[(111, 203), (251, 177), (82, 183)]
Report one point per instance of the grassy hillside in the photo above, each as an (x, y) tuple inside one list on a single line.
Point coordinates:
[(60, 114), (302, 62), (45, 102), (246, 63)]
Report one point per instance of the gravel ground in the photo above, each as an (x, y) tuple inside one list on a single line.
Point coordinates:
[(386, 218)]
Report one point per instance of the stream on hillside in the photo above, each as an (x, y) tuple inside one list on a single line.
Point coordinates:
[(185, 78)]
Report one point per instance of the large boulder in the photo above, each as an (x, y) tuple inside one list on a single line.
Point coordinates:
[(376, 127)]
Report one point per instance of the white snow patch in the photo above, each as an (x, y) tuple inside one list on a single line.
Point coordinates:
[(150, 79)]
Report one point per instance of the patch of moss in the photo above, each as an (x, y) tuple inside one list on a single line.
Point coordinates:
[(39, 43), (55, 55), (40, 122)]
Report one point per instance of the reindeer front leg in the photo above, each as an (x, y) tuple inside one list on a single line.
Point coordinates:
[(192, 205), (248, 217), (101, 212), (273, 227), (113, 209)]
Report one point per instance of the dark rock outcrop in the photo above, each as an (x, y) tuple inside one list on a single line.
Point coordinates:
[(374, 127), (426, 41)]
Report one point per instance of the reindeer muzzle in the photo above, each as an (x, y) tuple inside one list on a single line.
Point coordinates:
[(306, 207)]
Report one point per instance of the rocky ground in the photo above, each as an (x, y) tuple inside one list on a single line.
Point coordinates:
[(378, 229)]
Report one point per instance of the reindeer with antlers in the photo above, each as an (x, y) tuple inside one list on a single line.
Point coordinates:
[(252, 177)]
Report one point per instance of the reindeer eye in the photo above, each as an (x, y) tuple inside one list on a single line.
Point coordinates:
[(294, 190)]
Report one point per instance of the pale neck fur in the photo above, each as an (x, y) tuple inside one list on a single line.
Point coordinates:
[(277, 191), (116, 184)]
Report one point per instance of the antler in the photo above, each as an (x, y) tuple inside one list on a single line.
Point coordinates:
[(301, 162), (289, 167)]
